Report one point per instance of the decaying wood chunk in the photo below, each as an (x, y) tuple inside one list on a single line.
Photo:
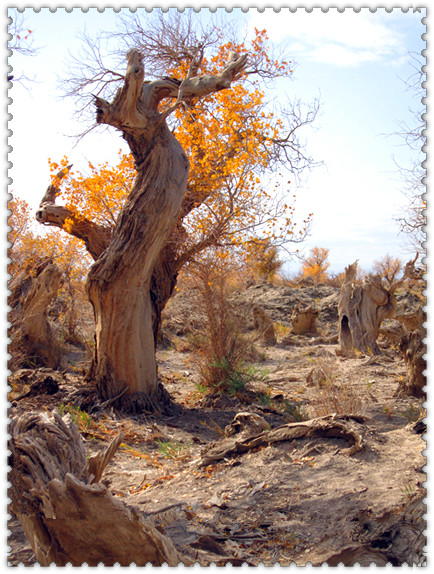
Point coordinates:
[(31, 334), (66, 515), (303, 321), (413, 349), (361, 309), (246, 424), (264, 325), (335, 426), (413, 320)]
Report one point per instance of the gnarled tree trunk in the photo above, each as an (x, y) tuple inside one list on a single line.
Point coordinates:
[(119, 282), (65, 513), (361, 310), (124, 285)]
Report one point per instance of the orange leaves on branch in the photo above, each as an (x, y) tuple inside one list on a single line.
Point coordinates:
[(228, 137), (100, 194), (29, 248)]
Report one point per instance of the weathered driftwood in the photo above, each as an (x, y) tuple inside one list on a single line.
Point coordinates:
[(414, 350), (68, 516), (264, 325), (303, 321), (246, 424), (361, 310), (31, 294), (413, 272), (291, 341), (330, 426)]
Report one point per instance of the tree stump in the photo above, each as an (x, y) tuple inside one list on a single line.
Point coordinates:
[(264, 325), (31, 294), (303, 321), (65, 513), (361, 309), (413, 349)]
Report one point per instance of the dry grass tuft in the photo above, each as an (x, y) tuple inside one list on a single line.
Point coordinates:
[(332, 393), (219, 347)]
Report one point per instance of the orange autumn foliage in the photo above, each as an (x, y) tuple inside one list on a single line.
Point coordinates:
[(229, 138), (29, 249), (316, 265)]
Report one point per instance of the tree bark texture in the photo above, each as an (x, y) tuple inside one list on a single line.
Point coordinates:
[(31, 334), (67, 516), (361, 310), (95, 237), (333, 426), (413, 348)]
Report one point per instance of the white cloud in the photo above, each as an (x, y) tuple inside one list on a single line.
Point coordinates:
[(344, 39)]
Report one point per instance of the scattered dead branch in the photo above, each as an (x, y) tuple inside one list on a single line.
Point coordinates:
[(331, 426)]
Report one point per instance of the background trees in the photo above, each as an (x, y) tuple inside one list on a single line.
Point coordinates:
[(21, 42), (315, 265), (44, 268), (388, 267)]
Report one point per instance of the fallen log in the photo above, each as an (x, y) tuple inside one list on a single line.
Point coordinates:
[(67, 516), (330, 426)]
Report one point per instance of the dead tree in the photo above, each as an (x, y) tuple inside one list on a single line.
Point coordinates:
[(412, 320), (245, 434), (66, 514), (361, 310), (412, 344), (303, 321), (31, 294)]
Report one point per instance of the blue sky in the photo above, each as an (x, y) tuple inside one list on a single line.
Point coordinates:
[(355, 63)]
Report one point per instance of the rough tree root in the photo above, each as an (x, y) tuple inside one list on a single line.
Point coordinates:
[(330, 426), (161, 402), (66, 515)]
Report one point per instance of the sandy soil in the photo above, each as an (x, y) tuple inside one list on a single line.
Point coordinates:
[(305, 500)]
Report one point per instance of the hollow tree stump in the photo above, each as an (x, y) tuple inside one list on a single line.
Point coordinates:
[(65, 513), (361, 310)]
